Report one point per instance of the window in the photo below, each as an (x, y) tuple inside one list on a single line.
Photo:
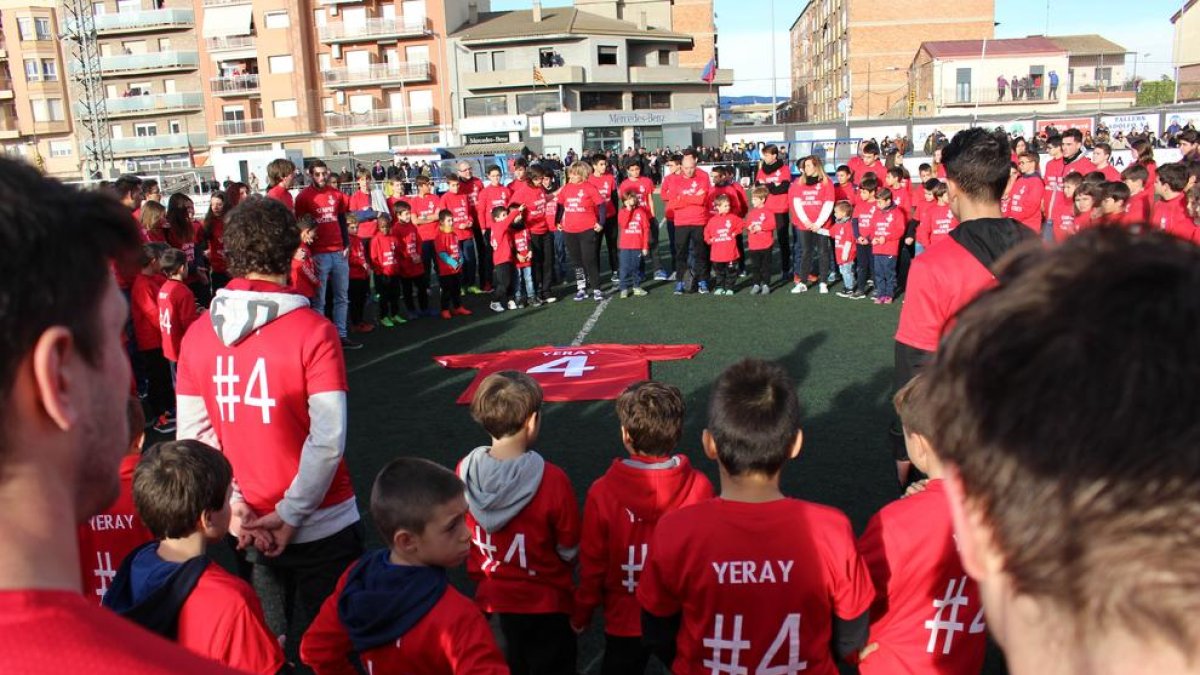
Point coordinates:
[(962, 85), (483, 63), (164, 44), (324, 62), (143, 129), (174, 127), (651, 100), (233, 113), (42, 27), (600, 100), (128, 5), (479, 106), (50, 70), (536, 104), (61, 149), (319, 17), (280, 64), (169, 86), (40, 112), (327, 104), (1103, 76), (362, 103), (32, 73), (664, 57), (606, 56), (387, 12), (497, 60), (276, 19), (55, 106), (98, 9), (403, 140), (285, 108)]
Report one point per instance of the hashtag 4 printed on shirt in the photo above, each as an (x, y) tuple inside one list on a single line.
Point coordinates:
[(586, 373)]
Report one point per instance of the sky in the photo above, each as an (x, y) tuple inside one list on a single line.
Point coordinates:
[(1145, 30)]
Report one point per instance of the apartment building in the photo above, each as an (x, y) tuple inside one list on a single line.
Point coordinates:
[(853, 56), (1185, 51), (34, 120), (565, 78)]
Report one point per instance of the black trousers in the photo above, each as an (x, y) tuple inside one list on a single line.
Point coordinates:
[(813, 244), (358, 299), (418, 285), (691, 238), (389, 294), (907, 362), (543, 262), (760, 263), (538, 644), (502, 277), (610, 242), (451, 295), (624, 656), (783, 236), (160, 394), (483, 249), (724, 275), (584, 251)]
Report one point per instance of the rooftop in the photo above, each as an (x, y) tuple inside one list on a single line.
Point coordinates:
[(1087, 45), (948, 49), (555, 21)]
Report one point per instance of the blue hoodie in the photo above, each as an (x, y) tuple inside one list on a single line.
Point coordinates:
[(382, 601), (151, 591)]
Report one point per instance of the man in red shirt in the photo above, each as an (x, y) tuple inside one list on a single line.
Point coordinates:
[(689, 198), (867, 162), (63, 432), (952, 272), (262, 378), (492, 195), (328, 207), (775, 175), (606, 184), (281, 173), (666, 189), (1025, 197), (721, 591), (1070, 149), (471, 186), (1101, 154), (1075, 381)]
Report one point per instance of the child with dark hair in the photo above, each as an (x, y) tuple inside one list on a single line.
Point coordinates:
[(449, 266), (360, 273), (845, 249), (143, 301), (760, 228), (1114, 196), (170, 586), (1062, 212), (888, 225), (386, 253), (635, 223), (721, 235), (414, 278), (176, 304), (1141, 194), (864, 213), (303, 277)]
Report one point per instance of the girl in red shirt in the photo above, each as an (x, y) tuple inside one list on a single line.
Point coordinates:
[(152, 217), (581, 227), (212, 239)]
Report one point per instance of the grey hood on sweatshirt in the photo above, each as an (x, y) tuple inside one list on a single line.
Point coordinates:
[(497, 490)]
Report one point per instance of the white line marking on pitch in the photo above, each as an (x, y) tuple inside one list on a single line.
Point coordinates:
[(591, 322)]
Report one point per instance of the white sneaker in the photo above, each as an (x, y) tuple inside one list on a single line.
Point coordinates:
[(496, 307), (513, 305), (799, 288), (754, 290), (766, 289), (823, 289)]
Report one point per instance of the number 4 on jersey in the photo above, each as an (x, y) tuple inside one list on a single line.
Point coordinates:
[(569, 366), (255, 394)]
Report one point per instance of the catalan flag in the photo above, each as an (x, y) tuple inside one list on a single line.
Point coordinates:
[(709, 74)]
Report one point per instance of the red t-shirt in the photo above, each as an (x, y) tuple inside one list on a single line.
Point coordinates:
[(361, 201), (764, 238), (670, 184), (304, 278), (489, 198), (737, 199), (581, 203), (1169, 215), (357, 258), (447, 242), (887, 229), (223, 621), (750, 596), (283, 195), (452, 639), (941, 281), (386, 251), (605, 184), (937, 222), (106, 538), (860, 170), (776, 203), (471, 188), (1062, 218), (643, 186), (143, 301), (845, 247), (43, 632), (1025, 202), (176, 312), (215, 236), (269, 376), (522, 251), (927, 616), (845, 193), (426, 207), (501, 238), (810, 199), (622, 508), (634, 229), (721, 234), (517, 568), (1110, 173), (534, 201), (324, 206), (689, 198), (408, 255), (864, 214), (459, 205), (1138, 208)]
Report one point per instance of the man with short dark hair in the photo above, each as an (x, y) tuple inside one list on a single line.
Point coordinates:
[(64, 427), (328, 207)]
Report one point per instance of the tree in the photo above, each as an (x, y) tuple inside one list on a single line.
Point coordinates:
[(1156, 92)]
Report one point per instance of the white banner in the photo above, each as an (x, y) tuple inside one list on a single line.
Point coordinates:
[(1128, 124), (879, 132)]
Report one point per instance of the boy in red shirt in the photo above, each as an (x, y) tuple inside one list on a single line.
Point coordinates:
[(147, 335), (843, 187), (525, 525), (775, 175), (760, 226), (360, 205), (414, 279), (303, 275), (606, 184), (523, 282), (1170, 212), (490, 196), (1141, 199), (721, 588), (1087, 201), (386, 253), (634, 222), (887, 229), (721, 235), (170, 586), (1101, 153), (107, 537), (619, 516), (1114, 197), (281, 173), (360, 272), (394, 610), (910, 550), (176, 303), (723, 183), (1025, 196), (845, 249), (449, 266), (937, 221), (1062, 208), (503, 263), (425, 207), (864, 213)]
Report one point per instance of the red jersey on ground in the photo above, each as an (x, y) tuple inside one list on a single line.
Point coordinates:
[(887, 230), (810, 200), (643, 186), (282, 195), (176, 312), (489, 198), (518, 568), (45, 632), (424, 210), (585, 373), (452, 639), (408, 255), (764, 237), (937, 222), (459, 205), (357, 258), (622, 508), (941, 281), (776, 203), (581, 203), (860, 169), (749, 596), (522, 250), (737, 199), (927, 616), (107, 537), (1025, 201), (845, 246), (689, 197), (721, 234), (304, 278), (1168, 215), (325, 206), (534, 201), (1139, 208), (361, 201), (386, 251), (143, 305), (445, 245), (634, 229), (223, 620)]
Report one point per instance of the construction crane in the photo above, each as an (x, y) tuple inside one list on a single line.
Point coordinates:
[(95, 138)]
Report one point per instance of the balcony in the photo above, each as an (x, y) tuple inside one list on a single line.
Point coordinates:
[(158, 144), (378, 73), (234, 128), (379, 119), (232, 43), (990, 96), (135, 64), (235, 85), (327, 3), (675, 75), (220, 3), (523, 77), (152, 104), (50, 127), (374, 29), (141, 21)]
